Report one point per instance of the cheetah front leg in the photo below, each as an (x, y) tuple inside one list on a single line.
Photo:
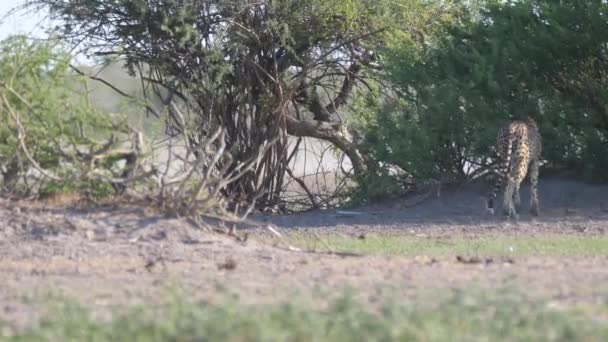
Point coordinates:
[(534, 166)]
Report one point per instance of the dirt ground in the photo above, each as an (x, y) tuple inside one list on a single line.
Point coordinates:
[(121, 255)]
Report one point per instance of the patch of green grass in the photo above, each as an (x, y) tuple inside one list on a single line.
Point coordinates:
[(505, 245), (470, 316)]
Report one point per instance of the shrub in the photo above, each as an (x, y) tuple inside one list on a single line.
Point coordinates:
[(51, 139), (445, 101)]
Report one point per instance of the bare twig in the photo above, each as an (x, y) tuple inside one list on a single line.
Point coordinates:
[(113, 87)]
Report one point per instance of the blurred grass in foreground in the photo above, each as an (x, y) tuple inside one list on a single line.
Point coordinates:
[(463, 316)]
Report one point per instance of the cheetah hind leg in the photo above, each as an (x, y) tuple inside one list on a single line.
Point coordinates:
[(534, 210), (516, 198), (507, 205)]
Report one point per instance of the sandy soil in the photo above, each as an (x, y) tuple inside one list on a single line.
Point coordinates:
[(118, 256)]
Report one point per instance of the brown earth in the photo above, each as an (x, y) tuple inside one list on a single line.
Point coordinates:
[(118, 256)]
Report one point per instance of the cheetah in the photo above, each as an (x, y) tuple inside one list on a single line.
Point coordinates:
[(519, 148)]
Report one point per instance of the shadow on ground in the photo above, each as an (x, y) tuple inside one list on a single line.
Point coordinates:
[(565, 205)]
